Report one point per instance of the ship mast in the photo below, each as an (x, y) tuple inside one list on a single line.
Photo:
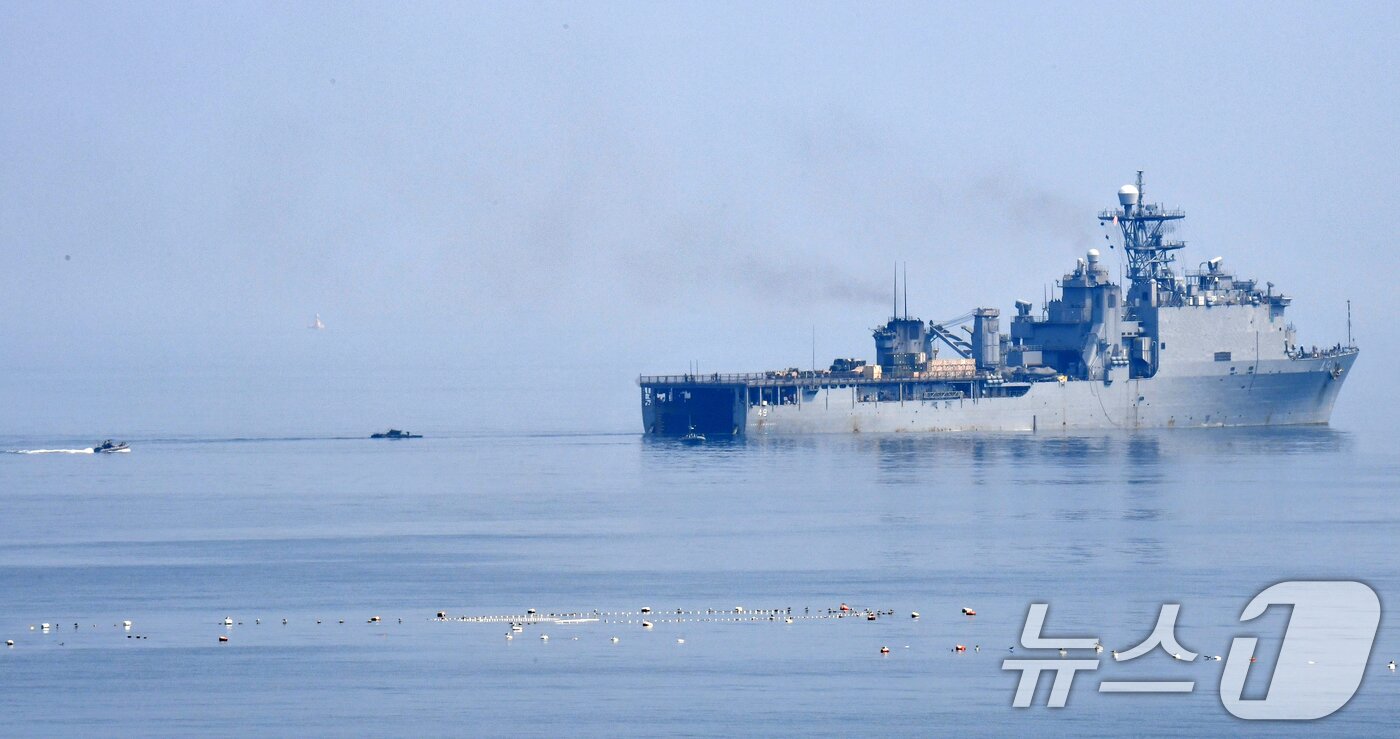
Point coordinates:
[(1149, 254)]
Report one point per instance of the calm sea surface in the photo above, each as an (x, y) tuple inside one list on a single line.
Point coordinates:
[(191, 528)]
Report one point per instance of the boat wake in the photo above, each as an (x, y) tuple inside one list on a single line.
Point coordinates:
[(52, 451)]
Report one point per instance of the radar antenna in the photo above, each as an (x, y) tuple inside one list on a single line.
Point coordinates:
[(1144, 225)]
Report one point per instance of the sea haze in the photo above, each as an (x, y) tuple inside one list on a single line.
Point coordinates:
[(500, 214)]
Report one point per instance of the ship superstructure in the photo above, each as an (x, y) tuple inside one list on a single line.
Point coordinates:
[(1198, 348)]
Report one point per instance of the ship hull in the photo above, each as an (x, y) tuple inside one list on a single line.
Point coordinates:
[(1266, 393)]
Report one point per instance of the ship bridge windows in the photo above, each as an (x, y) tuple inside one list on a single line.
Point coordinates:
[(1222, 356)]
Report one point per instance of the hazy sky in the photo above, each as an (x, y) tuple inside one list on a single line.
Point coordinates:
[(528, 188)]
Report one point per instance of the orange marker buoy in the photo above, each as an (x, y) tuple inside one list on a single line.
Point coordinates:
[(960, 648), (969, 612), (845, 607)]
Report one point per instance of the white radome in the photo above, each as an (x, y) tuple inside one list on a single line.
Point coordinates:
[(1127, 195)]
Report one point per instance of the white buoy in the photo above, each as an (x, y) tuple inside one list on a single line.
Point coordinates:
[(787, 620), (614, 640), (1391, 665), (680, 641), (544, 637), (510, 636), (1098, 648), (127, 624), (1063, 653), (228, 621)]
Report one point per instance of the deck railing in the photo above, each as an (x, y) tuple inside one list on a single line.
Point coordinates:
[(804, 379)]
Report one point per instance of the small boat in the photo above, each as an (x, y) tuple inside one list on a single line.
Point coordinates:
[(693, 436), (110, 447), (395, 434)]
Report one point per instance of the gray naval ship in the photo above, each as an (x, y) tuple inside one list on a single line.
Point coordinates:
[(1202, 348)]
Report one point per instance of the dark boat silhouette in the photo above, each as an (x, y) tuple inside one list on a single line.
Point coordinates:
[(395, 434), (110, 447)]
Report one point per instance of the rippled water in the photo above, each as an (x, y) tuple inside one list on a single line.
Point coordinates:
[(183, 532)]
